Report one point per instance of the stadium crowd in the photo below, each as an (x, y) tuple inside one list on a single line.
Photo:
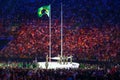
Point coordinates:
[(83, 43), (59, 74), (91, 30)]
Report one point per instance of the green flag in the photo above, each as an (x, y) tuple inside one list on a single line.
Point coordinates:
[(46, 10)]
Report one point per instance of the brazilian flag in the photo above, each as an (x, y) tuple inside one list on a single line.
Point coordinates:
[(46, 10)]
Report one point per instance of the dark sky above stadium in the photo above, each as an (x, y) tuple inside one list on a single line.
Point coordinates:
[(106, 10)]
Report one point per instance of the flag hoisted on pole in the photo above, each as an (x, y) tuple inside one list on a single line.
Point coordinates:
[(47, 10)]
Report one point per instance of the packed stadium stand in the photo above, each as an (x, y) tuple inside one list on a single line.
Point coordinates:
[(91, 34)]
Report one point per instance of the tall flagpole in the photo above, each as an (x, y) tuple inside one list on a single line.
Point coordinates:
[(61, 31), (50, 34)]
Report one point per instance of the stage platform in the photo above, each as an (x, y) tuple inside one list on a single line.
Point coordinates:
[(56, 65)]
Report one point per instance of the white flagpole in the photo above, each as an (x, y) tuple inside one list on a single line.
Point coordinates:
[(61, 32), (50, 34)]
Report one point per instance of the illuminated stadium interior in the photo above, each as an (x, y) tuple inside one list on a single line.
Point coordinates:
[(82, 33)]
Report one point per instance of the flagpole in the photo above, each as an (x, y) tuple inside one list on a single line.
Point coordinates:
[(50, 34), (61, 32)]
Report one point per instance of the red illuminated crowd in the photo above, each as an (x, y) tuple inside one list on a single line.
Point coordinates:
[(84, 43)]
